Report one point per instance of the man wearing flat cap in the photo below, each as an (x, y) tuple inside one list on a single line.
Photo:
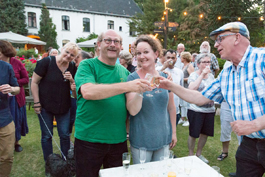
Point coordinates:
[(242, 86)]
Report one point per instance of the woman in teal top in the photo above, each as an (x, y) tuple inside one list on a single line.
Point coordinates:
[(153, 118)]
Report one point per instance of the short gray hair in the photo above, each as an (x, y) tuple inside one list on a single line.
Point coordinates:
[(201, 56), (127, 56)]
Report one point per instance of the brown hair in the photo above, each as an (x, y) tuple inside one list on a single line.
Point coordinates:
[(186, 56), (7, 49), (154, 43)]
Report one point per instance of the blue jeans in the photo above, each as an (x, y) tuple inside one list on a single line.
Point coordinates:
[(72, 114), (89, 157), (250, 157), (63, 122)]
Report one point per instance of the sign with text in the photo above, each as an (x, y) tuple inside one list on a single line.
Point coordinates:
[(159, 24), (160, 31)]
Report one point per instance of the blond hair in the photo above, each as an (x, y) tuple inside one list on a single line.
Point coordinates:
[(186, 56)]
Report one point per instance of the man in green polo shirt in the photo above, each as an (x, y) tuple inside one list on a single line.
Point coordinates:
[(100, 127)]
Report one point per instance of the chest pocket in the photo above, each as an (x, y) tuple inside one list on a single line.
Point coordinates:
[(254, 89)]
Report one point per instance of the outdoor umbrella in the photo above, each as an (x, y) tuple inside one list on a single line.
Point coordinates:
[(89, 43), (17, 38)]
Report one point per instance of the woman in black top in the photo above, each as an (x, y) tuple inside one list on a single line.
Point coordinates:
[(126, 61), (50, 87)]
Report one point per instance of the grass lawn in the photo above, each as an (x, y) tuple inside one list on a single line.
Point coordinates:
[(30, 163)]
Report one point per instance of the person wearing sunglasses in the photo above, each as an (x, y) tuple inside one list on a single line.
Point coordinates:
[(242, 86)]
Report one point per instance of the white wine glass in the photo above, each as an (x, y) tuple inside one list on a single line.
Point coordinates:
[(156, 81), (188, 165), (142, 156), (150, 78), (126, 159)]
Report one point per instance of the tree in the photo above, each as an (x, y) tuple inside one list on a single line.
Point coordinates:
[(230, 10), (12, 17), (47, 30)]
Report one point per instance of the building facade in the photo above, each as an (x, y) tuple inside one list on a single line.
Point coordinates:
[(75, 18)]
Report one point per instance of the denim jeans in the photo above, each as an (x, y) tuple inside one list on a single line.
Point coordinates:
[(250, 158), (90, 157), (72, 114), (63, 122)]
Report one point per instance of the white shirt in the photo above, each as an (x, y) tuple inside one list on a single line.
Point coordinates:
[(178, 63)]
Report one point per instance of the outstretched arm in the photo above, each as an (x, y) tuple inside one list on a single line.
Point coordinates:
[(191, 96)]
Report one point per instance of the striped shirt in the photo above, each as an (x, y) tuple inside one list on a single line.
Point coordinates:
[(243, 88)]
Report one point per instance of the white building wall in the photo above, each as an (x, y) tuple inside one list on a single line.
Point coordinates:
[(98, 24)]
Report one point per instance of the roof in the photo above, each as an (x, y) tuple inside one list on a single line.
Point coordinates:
[(123, 8)]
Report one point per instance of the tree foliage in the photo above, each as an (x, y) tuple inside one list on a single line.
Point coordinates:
[(12, 17), (47, 30), (82, 39), (192, 30)]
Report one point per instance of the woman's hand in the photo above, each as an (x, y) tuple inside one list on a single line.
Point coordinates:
[(165, 83), (174, 141), (206, 71), (37, 108), (67, 75), (73, 86), (169, 76)]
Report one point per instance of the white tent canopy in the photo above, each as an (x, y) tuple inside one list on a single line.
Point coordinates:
[(17, 38), (89, 43)]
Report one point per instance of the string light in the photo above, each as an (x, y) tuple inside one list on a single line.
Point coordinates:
[(201, 15), (219, 17), (239, 18), (185, 13)]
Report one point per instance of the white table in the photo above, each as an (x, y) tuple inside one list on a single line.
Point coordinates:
[(161, 169)]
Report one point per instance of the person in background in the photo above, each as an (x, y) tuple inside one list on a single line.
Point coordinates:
[(53, 52), (176, 73), (153, 113), (201, 118), (126, 61), (134, 59), (161, 59), (17, 104), (39, 57), (206, 48), (8, 85), (180, 49), (36, 50), (187, 70), (47, 53), (194, 55), (50, 87)]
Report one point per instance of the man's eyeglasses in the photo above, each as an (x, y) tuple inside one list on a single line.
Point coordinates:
[(206, 62), (220, 37), (109, 41)]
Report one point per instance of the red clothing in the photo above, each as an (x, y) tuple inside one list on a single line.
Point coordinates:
[(22, 79), (45, 55)]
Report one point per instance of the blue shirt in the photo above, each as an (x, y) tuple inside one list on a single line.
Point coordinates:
[(151, 127), (243, 88), (7, 76)]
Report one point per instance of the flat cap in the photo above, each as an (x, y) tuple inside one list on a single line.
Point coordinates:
[(235, 27)]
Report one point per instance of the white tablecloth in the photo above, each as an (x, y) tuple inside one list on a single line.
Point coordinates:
[(161, 169)]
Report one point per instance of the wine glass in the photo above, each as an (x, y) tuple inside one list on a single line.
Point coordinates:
[(126, 158), (142, 156), (150, 78), (156, 81), (65, 80), (166, 152)]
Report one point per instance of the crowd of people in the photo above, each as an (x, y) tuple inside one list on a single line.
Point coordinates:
[(143, 98)]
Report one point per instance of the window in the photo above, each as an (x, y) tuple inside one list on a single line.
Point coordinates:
[(110, 24), (65, 41), (132, 28), (32, 20), (65, 23), (120, 28), (86, 24)]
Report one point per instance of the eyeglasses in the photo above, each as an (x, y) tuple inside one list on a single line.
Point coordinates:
[(109, 41), (205, 62), (220, 37)]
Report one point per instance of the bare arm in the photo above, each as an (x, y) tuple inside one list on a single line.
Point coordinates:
[(35, 91), (195, 85), (91, 91), (172, 114), (134, 102), (191, 96)]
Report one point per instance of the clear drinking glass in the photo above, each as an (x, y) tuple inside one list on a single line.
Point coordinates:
[(188, 165), (142, 156), (150, 78), (126, 159), (166, 152), (156, 81)]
